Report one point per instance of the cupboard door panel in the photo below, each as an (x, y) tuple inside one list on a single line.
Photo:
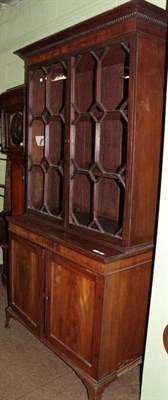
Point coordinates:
[(70, 304), (26, 281)]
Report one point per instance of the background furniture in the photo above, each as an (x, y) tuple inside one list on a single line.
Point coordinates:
[(3, 222), (12, 103)]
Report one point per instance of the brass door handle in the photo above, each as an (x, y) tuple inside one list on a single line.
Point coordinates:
[(165, 338)]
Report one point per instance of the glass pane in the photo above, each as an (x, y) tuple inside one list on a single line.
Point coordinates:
[(84, 82), (54, 192), (115, 66), (56, 87), (81, 207), (36, 183), (36, 141), (55, 141), (37, 91), (111, 144), (84, 143)]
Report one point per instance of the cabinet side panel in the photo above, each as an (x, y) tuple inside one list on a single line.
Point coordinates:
[(124, 317), (148, 133)]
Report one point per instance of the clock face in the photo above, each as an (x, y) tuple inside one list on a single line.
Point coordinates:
[(16, 129)]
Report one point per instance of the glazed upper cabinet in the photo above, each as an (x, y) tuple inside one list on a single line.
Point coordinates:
[(93, 136), (80, 174), (93, 145)]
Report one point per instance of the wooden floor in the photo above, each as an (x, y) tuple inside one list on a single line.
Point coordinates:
[(30, 371)]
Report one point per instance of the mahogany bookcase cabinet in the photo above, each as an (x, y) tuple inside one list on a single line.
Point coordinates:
[(81, 256)]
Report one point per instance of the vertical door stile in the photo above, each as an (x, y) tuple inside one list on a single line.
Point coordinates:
[(45, 153), (97, 141), (44, 280), (47, 285), (133, 54), (71, 130)]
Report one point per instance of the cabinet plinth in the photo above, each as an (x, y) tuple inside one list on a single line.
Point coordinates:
[(94, 107)]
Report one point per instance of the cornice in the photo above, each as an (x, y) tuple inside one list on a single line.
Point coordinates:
[(138, 10)]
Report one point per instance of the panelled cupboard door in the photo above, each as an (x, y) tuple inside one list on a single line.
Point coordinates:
[(26, 282), (71, 308)]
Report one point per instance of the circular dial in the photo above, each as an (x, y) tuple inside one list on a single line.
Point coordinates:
[(16, 129)]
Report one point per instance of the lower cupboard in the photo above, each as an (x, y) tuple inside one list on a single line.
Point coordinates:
[(91, 314)]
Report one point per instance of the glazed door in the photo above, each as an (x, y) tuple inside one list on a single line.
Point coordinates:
[(71, 306), (47, 120), (99, 125), (26, 282)]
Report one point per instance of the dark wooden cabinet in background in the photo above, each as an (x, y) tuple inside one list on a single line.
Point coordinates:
[(81, 255), (12, 108)]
